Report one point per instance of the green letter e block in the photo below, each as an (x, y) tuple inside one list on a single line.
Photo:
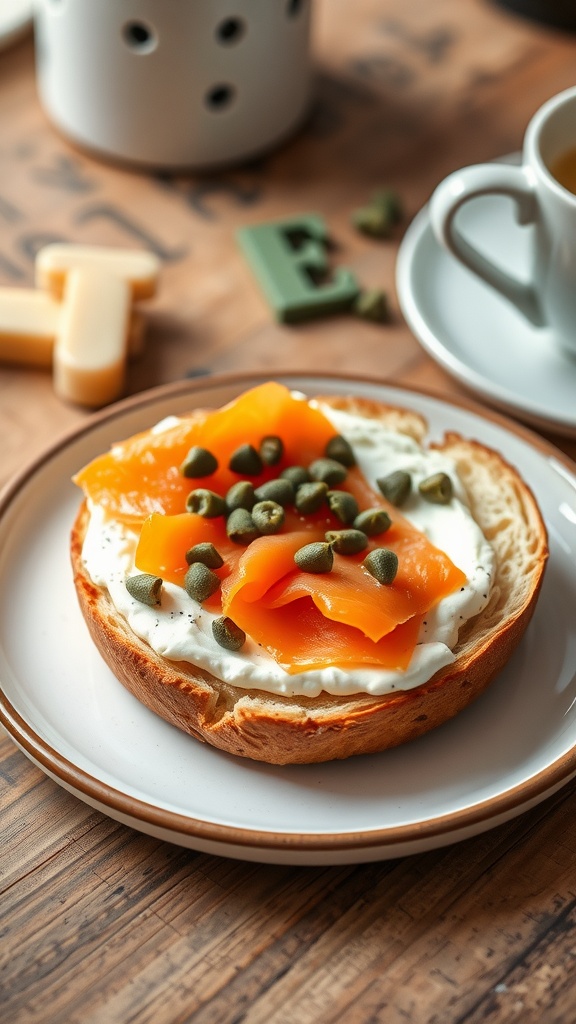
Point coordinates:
[(289, 260)]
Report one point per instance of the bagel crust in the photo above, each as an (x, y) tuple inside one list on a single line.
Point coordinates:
[(299, 730)]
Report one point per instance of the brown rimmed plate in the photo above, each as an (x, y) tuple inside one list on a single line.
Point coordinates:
[(515, 746)]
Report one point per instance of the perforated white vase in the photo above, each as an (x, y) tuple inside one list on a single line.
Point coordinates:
[(174, 83)]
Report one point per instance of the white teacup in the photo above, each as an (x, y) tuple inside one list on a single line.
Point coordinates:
[(540, 187)]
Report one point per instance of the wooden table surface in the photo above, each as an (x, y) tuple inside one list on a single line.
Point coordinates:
[(104, 924)]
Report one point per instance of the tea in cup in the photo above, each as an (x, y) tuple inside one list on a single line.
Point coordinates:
[(563, 168), (543, 189)]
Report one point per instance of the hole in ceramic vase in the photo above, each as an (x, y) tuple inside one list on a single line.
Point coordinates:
[(230, 31), (139, 37), (293, 8), (219, 96)]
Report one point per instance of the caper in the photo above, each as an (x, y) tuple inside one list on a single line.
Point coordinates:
[(396, 487), (343, 505), (268, 516), (240, 495), (372, 521), (199, 462), (271, 450), (315, 557), (278, 490), (340, 449), (382, 564), (379, 216), (372, 304), (228, 634), (346, 542), (200, 582), (328, 471), (372, 221), (145, 588), (296, 475), (437, 489), (205, 503), (240, 527), (310, 497), (388, 201), (205, 553), (246, 460)]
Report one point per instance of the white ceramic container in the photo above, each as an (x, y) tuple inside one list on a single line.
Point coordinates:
[(174, 83)]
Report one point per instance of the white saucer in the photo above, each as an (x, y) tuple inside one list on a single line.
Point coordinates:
[(512, 748), (476, 335), (15, 19)]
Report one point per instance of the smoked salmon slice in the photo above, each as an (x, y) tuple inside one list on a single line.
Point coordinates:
[(142, 474), (164, 541), (303, 640), (264, 591)]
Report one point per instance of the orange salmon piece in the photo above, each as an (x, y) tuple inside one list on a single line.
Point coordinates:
[(141, 475), (299, 638), (268, 409), (265, 579), (265, 561), (164, 541)]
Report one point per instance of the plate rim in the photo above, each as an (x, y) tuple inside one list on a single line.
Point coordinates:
[(494, 394), (509, 803)]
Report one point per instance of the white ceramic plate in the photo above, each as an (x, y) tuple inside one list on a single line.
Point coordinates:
[(15, 20), (475, 334), (513, 747)]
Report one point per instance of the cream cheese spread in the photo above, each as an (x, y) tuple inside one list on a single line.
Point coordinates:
[(181, 630)]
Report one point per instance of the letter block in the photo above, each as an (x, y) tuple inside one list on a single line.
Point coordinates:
[(290, 261)]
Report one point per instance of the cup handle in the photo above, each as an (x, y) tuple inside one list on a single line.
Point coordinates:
[(470, 183)]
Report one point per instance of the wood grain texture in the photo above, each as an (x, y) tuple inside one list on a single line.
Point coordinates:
[(100, 924), (112, 925)]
